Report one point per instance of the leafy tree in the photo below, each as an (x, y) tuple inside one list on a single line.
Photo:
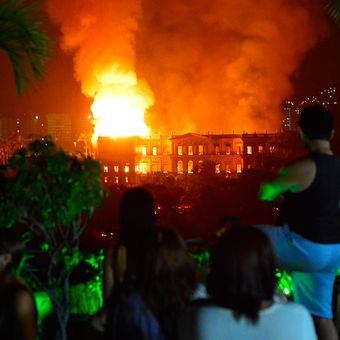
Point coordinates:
[(51, 194), (23, 39)]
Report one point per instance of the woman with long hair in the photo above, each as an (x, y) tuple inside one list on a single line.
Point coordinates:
[(136, 222), (241, 285), (148, 304), (136, 219)]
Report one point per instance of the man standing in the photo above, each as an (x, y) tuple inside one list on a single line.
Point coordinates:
[(308, 241)]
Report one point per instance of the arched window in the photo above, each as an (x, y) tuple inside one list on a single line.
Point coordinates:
[(190, 167), (180, 167)]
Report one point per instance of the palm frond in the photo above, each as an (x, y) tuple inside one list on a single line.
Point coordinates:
[(333, 8), (23, 38)]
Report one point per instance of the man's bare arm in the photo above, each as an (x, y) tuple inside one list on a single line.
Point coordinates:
[(293, 178)]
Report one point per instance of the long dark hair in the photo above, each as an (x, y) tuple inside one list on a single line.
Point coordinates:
[(242, 275), (136, 215), (136, 220), (167, 278)]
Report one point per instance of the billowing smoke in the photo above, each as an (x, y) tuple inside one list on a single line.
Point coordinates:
[(219, 65)]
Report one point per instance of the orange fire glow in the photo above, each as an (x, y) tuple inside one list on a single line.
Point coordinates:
[(218, 66), (118, 108)]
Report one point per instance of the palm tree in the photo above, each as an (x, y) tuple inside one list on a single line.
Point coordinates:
[(333, 8), (23, 39)]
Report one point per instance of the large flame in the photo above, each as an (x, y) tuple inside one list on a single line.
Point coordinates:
[(217, 66), (118, 108)]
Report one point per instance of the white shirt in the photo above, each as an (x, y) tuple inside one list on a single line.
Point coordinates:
[(278, 322)]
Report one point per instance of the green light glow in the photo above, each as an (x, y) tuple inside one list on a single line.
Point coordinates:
[(44, 305), (44, 246), (284, 283), (269, 191), (85, 298), (202, 259)]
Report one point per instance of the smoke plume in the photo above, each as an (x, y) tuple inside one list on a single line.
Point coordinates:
[(218, 66)]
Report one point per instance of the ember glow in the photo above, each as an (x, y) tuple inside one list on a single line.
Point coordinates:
[(117, 115), (118, 108), (218, 66)]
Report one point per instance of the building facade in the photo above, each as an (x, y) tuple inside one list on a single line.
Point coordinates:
[(125, 160)]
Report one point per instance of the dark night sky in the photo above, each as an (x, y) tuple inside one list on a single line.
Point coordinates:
[(47, 96), (59, 92), (321, 67)]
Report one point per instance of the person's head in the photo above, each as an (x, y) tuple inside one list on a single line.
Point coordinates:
[(166, 264), (167, 276), (316, 122), (242, 274), (11, 250), (137, 213)]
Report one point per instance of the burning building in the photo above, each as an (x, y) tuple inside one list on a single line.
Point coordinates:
[(126, 160), (185, 65)]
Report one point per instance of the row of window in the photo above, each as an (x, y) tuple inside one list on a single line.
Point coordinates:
[(143, 150), (190, 168), (142, 167), (189, 150), (250, 149), (199, 150), (116, 168), (116, 179)]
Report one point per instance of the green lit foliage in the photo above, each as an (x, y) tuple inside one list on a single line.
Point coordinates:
[(46, 187), (284, 283), (23, 38), (53, 194), (85, 298), (44, 306), (88, 298), (202, 259)]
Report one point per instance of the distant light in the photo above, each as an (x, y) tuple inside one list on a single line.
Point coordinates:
[(36, 117)]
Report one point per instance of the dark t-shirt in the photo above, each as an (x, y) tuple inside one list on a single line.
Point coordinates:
[(129, 317), (315, 212)]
